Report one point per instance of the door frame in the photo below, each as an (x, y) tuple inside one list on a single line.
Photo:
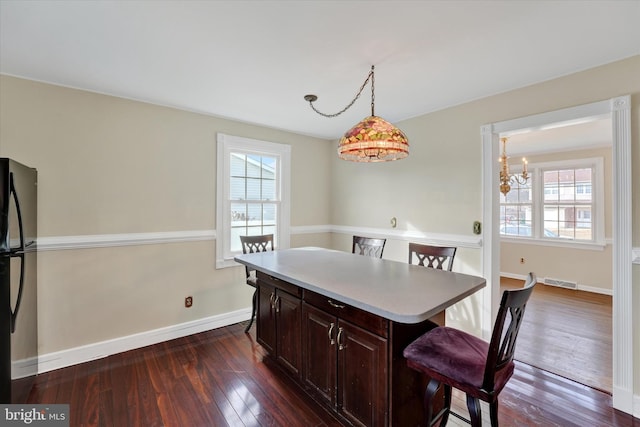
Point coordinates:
[(619, 109)]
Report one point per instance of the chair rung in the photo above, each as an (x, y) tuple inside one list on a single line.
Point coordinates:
[(439, 415), (460, 417)]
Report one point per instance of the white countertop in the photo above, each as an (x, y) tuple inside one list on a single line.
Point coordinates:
[(394, 290)]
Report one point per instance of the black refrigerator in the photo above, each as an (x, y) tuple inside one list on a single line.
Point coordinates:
[(18, 280)]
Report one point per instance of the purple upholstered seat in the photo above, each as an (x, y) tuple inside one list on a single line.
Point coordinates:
[(453, 358), (448, 353)]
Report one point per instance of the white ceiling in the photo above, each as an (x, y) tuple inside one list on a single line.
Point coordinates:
[(254, 61)]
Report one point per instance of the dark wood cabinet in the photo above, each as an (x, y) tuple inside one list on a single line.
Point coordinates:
[(279, 321), (345, 365), (348, 359), (288, 327), (266, 313), (320, 354), (362, 375)]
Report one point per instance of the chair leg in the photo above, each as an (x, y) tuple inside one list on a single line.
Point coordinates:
[(493, 408), (447, 405), (430, 391), (254, 302), (473, 405)]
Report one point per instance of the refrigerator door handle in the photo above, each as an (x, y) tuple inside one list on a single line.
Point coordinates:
[(18, 210), (20, 254), (14, 312)]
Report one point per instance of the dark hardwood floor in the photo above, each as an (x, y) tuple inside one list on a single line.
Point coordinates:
[(567, 332), (223, 378)]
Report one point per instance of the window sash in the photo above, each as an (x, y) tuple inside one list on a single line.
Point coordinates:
[(253, 193), (578, 203)]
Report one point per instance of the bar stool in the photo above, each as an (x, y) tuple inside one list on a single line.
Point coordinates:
[(453, 358), (252, 244)]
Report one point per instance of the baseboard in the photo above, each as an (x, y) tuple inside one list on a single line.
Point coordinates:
[(625, 401), (24, 368), (74, 356), (584, 288)]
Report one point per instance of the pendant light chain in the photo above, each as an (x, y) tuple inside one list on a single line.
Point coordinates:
[(312, 98), (373, 95)]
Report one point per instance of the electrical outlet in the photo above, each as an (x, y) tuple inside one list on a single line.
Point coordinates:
[(188, 302), (521, 260)]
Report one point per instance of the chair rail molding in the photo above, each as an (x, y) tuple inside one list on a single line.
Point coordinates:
[(54, 243)]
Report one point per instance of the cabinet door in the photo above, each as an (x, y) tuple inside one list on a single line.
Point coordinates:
[(266, 317), (289, 330), (362, 375), (319, 352)]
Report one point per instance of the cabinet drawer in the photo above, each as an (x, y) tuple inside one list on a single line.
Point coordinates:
[(280, 284), (368, 321)]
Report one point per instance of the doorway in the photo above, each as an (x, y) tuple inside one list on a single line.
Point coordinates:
[(618, 109), (555, 224)]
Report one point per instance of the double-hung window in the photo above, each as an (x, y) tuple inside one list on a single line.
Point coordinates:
[(561, 201), (252, 194)]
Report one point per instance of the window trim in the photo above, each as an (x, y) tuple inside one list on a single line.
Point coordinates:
[(226, 145), (598, 213)]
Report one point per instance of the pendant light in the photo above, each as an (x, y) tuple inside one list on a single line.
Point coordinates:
[(371, 140)]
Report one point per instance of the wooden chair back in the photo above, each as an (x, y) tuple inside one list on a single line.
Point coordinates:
[(368, 246), (505, 331), (440, 257), (253, 244)]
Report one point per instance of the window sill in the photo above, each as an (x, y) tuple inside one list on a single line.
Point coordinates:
[(570, 244)]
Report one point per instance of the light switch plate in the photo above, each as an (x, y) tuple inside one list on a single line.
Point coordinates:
[(477, 227)]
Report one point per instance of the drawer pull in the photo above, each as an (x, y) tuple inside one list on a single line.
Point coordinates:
[(334, 305), (276, 303), (331, 340)]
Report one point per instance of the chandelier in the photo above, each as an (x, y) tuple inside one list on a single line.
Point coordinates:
[(371, 140), (505, 176)]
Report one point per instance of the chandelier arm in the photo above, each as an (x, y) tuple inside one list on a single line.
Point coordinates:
[(520, 179), (312, 98)]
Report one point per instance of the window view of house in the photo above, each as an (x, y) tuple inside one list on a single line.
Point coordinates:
[(253, 196), (568, 203), (554, 203)]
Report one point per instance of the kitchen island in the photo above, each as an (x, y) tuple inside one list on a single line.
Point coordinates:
[(337, 323)]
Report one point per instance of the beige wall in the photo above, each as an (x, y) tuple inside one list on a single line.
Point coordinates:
[(591, 268), (113, 166)]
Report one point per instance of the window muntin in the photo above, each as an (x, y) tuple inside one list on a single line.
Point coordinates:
[(567, 206), (253, 194), (516, 210), (564, 206)]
